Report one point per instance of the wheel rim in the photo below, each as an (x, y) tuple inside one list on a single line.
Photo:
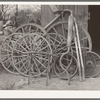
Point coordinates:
[(85, 40), (60, 31), (6, 52), (18, 33), (34, 48), (58, 45), (30, 28), (67, 63), (91, 64)]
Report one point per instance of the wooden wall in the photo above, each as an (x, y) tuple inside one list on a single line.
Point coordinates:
[(80, 12), (46, 15)]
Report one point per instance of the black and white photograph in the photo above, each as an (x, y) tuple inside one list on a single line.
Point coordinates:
[(49, 47)]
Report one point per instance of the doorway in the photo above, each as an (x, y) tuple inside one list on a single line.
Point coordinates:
[(94, 26)]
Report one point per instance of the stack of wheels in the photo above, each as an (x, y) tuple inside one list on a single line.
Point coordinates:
[(28, 48), (64, 64), (25, 46)]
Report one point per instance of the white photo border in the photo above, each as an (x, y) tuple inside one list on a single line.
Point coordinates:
[(50, 93)]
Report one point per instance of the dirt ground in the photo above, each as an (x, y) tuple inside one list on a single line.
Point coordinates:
[(18, 82)]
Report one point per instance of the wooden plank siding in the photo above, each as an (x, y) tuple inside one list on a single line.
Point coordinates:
[(80, 12), (46, 15)]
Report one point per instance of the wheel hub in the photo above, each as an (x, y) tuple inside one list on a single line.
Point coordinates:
[(89, 63)]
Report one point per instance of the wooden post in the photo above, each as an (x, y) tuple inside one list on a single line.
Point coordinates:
[(1, 27), (77, 53), (70, 29), (80, 52), (16, 15)]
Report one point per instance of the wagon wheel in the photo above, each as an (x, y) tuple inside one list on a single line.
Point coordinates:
[(57, 41), (91, 64), (30, 28), (58, 46), (32, 48), (6, 52), (59, 38)]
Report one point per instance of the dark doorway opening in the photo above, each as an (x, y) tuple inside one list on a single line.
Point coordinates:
[(94, 26)]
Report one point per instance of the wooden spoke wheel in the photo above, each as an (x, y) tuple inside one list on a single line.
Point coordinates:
[(57, 41), (91, 64), (61, 28), (58, 45), (30, 28), (31, 55), (58, 32), (68, 65), (85, 40), (58, 35), (8, 43), (6, 52)]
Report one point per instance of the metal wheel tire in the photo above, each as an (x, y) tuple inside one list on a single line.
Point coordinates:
[(68, 65), (91, 64), (30, 55)]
